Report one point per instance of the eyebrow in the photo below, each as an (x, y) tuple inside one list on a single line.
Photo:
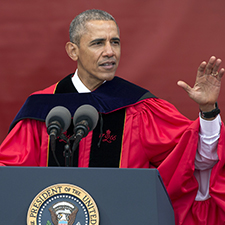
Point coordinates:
[(115, 39), (103, 39)]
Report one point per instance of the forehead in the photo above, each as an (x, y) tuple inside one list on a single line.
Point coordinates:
[(101, 29)]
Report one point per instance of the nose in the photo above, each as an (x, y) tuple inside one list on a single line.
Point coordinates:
[(108, 50)]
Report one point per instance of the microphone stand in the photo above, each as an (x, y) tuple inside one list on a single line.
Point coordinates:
[(67, 155), (67, 151)]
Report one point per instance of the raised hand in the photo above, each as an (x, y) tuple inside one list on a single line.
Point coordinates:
[(207, 85)]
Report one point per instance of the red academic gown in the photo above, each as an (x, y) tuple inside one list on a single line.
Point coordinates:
[(155, 135)]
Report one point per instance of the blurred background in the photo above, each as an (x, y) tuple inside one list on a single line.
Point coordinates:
[(162, 42)]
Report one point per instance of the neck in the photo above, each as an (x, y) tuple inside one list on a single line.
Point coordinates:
[(91, 84)]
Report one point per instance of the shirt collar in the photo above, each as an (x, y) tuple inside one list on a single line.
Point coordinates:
[(80, 87)]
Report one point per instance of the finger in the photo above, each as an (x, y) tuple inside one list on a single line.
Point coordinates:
[(216, 66), (220, 74), (201, 69), (184, 85), (210, 65)]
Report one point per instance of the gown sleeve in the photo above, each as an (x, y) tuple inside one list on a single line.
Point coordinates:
[(25, 145), (171, 144)]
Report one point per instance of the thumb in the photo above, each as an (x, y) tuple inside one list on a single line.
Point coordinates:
[(184, 85)]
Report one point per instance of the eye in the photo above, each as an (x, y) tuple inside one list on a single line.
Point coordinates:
[(115, 42), (97, 43)]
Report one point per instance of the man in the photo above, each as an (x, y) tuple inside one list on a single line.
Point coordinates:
[(135, 129)]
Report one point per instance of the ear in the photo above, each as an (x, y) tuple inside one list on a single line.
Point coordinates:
[(72, 50)]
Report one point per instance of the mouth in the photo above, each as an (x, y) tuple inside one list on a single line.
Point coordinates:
[(107, 65)]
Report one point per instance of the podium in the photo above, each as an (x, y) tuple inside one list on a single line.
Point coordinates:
[(122, 196)]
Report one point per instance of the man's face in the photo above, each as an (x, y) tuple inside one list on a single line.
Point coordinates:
[(99, 53)]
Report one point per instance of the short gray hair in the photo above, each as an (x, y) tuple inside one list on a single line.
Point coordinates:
[(77, 26)]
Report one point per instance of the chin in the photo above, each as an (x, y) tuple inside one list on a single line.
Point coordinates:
[(109, 77)]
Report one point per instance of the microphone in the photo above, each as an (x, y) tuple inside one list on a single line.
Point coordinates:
[(85, 119), (57, 121)]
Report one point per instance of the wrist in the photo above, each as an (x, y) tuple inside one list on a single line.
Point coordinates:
[(209, 115)]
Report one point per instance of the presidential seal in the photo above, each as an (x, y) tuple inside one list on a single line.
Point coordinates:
[(63, 204)]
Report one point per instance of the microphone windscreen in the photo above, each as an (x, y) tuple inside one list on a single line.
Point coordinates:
[(60, 114), (88, 113)]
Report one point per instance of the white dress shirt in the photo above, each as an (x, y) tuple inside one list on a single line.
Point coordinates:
[(206, 155)]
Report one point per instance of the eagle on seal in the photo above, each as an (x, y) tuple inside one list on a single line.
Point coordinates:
[(63, 211)]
